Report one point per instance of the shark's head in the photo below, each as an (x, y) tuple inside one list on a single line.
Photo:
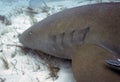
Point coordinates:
[(36, 37), (42, 36), (48, 35)]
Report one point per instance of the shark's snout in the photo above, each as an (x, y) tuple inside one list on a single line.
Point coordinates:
[(25, 39)]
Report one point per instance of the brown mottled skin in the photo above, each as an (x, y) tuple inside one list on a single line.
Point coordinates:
[(87, 34)]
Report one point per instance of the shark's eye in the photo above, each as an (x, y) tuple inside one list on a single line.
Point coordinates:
[(30, 33)]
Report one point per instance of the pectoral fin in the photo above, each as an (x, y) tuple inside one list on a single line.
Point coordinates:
[(89, 65), (114, 63)]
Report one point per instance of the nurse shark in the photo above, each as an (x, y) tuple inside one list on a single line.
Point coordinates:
[(88, 35)]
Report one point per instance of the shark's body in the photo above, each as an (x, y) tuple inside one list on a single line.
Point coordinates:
[(64, 33)]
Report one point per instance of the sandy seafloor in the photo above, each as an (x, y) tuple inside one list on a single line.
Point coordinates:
[(18, 65)]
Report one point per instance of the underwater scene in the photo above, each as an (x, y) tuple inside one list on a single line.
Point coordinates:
[(20, 63)]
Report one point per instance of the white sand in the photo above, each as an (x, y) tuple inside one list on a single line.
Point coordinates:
[(18, 66)]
